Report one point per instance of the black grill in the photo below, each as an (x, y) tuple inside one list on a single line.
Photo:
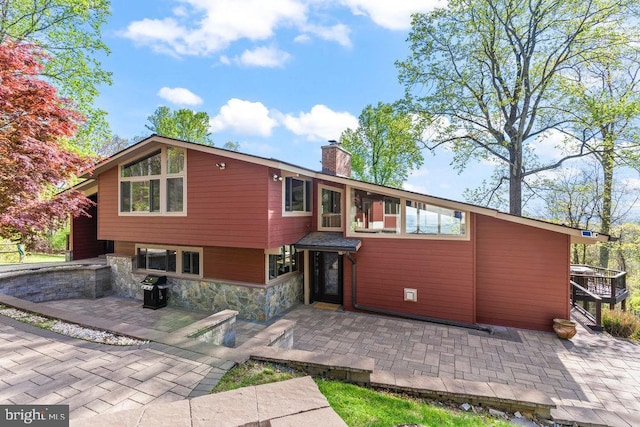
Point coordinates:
[(155, 291)]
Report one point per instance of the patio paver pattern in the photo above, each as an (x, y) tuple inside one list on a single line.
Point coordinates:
[(590, 371)]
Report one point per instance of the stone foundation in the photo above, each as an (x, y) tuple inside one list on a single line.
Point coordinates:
[(64, 281), (252, 302)]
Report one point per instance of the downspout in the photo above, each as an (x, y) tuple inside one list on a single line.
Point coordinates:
[(400, 314)]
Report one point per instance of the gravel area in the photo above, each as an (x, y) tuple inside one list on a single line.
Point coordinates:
[(69, 329)]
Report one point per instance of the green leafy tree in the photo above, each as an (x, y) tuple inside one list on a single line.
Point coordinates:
[(604, 96), (183, 124), (385, 146), (69, 33), (488, 73)]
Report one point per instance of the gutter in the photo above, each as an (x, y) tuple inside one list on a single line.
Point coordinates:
[(404, 315)]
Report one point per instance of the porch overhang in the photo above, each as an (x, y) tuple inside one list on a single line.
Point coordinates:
[(324, 241)]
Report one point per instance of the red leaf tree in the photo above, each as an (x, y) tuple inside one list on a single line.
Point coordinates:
[(35, 157)]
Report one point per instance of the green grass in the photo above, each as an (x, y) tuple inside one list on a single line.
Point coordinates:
[(31, 258), (357, 406), (254, 373)]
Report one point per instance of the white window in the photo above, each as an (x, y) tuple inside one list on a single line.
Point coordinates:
[(423, 218), (281, 261), (155, 183), (330, 208), (297, 195), (173, 260)]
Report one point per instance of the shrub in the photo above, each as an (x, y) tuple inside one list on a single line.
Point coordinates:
[(621, 323)]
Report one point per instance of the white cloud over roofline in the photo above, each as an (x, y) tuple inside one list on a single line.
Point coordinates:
[(244, 118), (320, 123), (179, 96)]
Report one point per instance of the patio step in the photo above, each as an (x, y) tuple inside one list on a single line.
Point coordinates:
[(493, 395), (588, 417)]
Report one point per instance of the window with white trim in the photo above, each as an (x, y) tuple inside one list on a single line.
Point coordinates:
[(330, 208), (281, 261), (154, 184), (423, 218), (172, 260), (297, 195)]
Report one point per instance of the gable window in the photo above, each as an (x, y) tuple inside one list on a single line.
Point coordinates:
[(330, 208), (172, 260), (281, 261), (154, 184), (297, 195)]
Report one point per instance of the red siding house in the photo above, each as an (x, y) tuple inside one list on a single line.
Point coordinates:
[(257, 235)]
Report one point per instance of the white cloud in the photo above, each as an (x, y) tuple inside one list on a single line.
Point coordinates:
[(179, 95), (393, 15), (268, 57), (244, 117), (552, 145), (338, 33), (320, 124), (203, 27)]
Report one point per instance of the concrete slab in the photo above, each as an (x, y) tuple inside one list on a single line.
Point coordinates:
[(284, 398), (232, 408), (324, 417)]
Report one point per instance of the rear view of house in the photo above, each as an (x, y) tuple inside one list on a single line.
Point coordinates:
[(258, 235)]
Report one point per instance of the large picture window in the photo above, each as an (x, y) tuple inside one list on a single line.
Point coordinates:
[(154, 184), (375, 213), (173, 260), (297, 195), (380, 214)]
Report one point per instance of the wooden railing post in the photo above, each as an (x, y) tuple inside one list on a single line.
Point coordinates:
[(599, 315)]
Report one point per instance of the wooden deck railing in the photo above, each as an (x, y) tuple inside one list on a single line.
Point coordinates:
[(597, 318), (609, 285)]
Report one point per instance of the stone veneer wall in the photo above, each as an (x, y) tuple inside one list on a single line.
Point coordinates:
[(252, 302), (55, 283)]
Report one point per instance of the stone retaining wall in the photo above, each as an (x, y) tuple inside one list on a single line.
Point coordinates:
[(57, 282), (252, 302)]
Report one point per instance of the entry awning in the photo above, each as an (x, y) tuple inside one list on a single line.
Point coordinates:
[(323, 241)]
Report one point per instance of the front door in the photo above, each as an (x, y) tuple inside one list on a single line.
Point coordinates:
[(327, 277)]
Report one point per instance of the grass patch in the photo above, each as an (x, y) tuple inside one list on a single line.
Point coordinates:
[(254, 373), (30, 258), (359, 406), (621, 324)]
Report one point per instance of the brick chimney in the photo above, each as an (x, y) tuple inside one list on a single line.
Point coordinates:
[(336, 160)]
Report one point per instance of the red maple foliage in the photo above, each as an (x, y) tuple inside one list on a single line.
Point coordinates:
[(35, 157)]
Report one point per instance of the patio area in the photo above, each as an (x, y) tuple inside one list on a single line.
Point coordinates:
[(590, 371)]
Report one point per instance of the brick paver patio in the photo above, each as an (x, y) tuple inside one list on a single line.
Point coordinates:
[(42, 367), (590, 371)]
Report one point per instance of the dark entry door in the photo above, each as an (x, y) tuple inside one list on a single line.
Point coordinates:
[(327, 277)]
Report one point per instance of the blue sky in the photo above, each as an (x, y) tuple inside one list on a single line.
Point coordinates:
[(280, 77)]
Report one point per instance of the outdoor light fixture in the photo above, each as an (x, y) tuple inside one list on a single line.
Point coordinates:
[(221, 165), (276, 177)]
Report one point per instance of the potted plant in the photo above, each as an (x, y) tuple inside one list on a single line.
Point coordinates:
[(565, 329)]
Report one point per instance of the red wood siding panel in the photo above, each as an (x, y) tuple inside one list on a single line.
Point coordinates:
[(225, 208), (522, 274), (242, 265), (125, 248), (286, 230), (84, 231), (441, 271)]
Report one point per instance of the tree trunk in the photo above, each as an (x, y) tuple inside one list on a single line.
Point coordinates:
[(515, 179), (607, 162)]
